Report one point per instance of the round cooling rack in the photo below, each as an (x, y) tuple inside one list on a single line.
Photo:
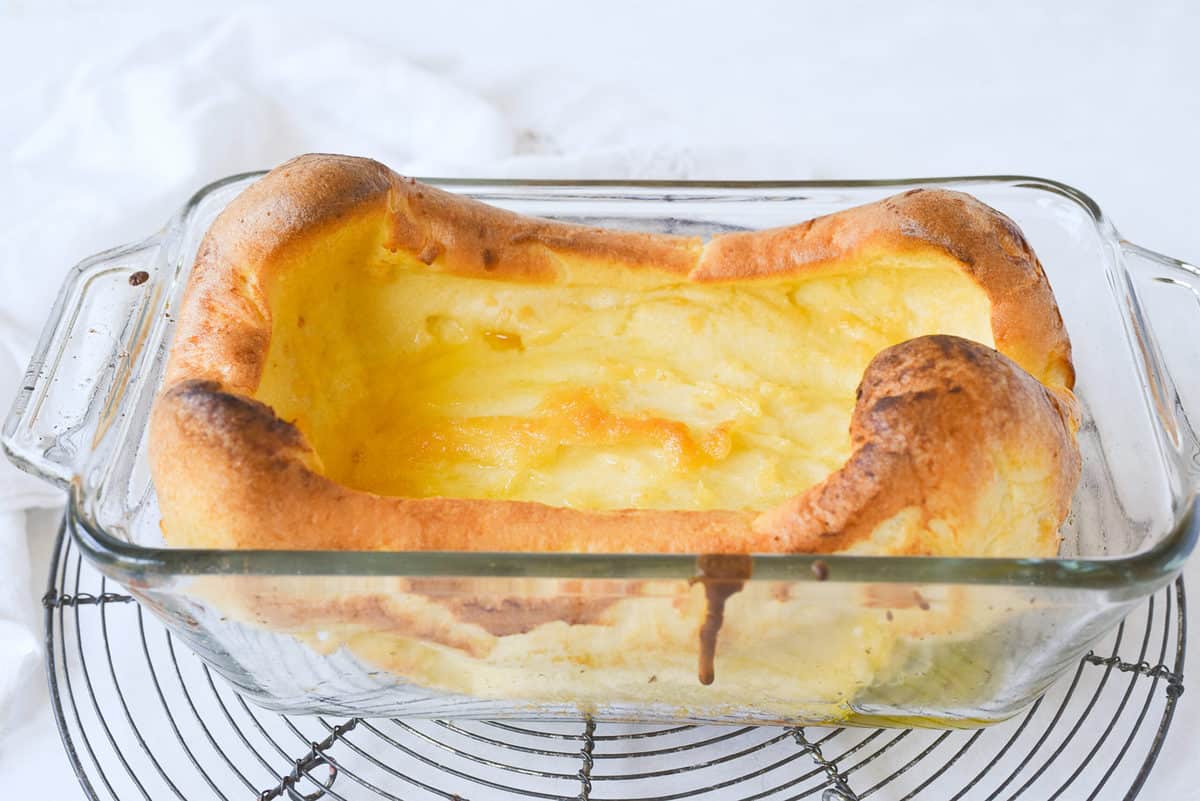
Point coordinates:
[(142, 718)]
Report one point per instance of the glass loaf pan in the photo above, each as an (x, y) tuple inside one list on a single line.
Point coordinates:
[(881, 640)]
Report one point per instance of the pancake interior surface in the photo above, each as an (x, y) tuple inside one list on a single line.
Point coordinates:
[(605, 389)]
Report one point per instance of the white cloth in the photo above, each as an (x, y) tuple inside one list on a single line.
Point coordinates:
[(103, 153), (113, 150)]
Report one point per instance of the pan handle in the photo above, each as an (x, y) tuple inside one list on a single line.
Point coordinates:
[(88, 352), (1169, 293)]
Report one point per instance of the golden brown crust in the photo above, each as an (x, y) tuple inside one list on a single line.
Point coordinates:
[(934, 416), (473, 238), (225, 322), (989, 247), (229, 473)]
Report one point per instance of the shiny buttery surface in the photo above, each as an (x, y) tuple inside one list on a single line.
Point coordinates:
[(620, 390)]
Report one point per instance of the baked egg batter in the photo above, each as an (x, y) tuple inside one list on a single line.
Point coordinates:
[(604, 389)]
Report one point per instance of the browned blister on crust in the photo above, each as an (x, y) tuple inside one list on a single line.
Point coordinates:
[(939, 420)]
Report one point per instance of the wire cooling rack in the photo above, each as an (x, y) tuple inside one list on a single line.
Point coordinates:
[(141, 717)]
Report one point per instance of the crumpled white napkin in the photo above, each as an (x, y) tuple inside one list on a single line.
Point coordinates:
[(109, 152)]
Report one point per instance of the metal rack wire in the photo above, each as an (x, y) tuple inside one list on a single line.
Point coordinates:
[(143, 718)]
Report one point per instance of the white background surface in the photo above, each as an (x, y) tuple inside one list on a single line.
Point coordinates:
[(1100, 95)]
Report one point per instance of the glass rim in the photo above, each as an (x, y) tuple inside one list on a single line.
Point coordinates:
[(146, 564), (1081, 198)]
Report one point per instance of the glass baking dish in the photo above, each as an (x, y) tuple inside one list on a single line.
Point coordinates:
[(904, 641)]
